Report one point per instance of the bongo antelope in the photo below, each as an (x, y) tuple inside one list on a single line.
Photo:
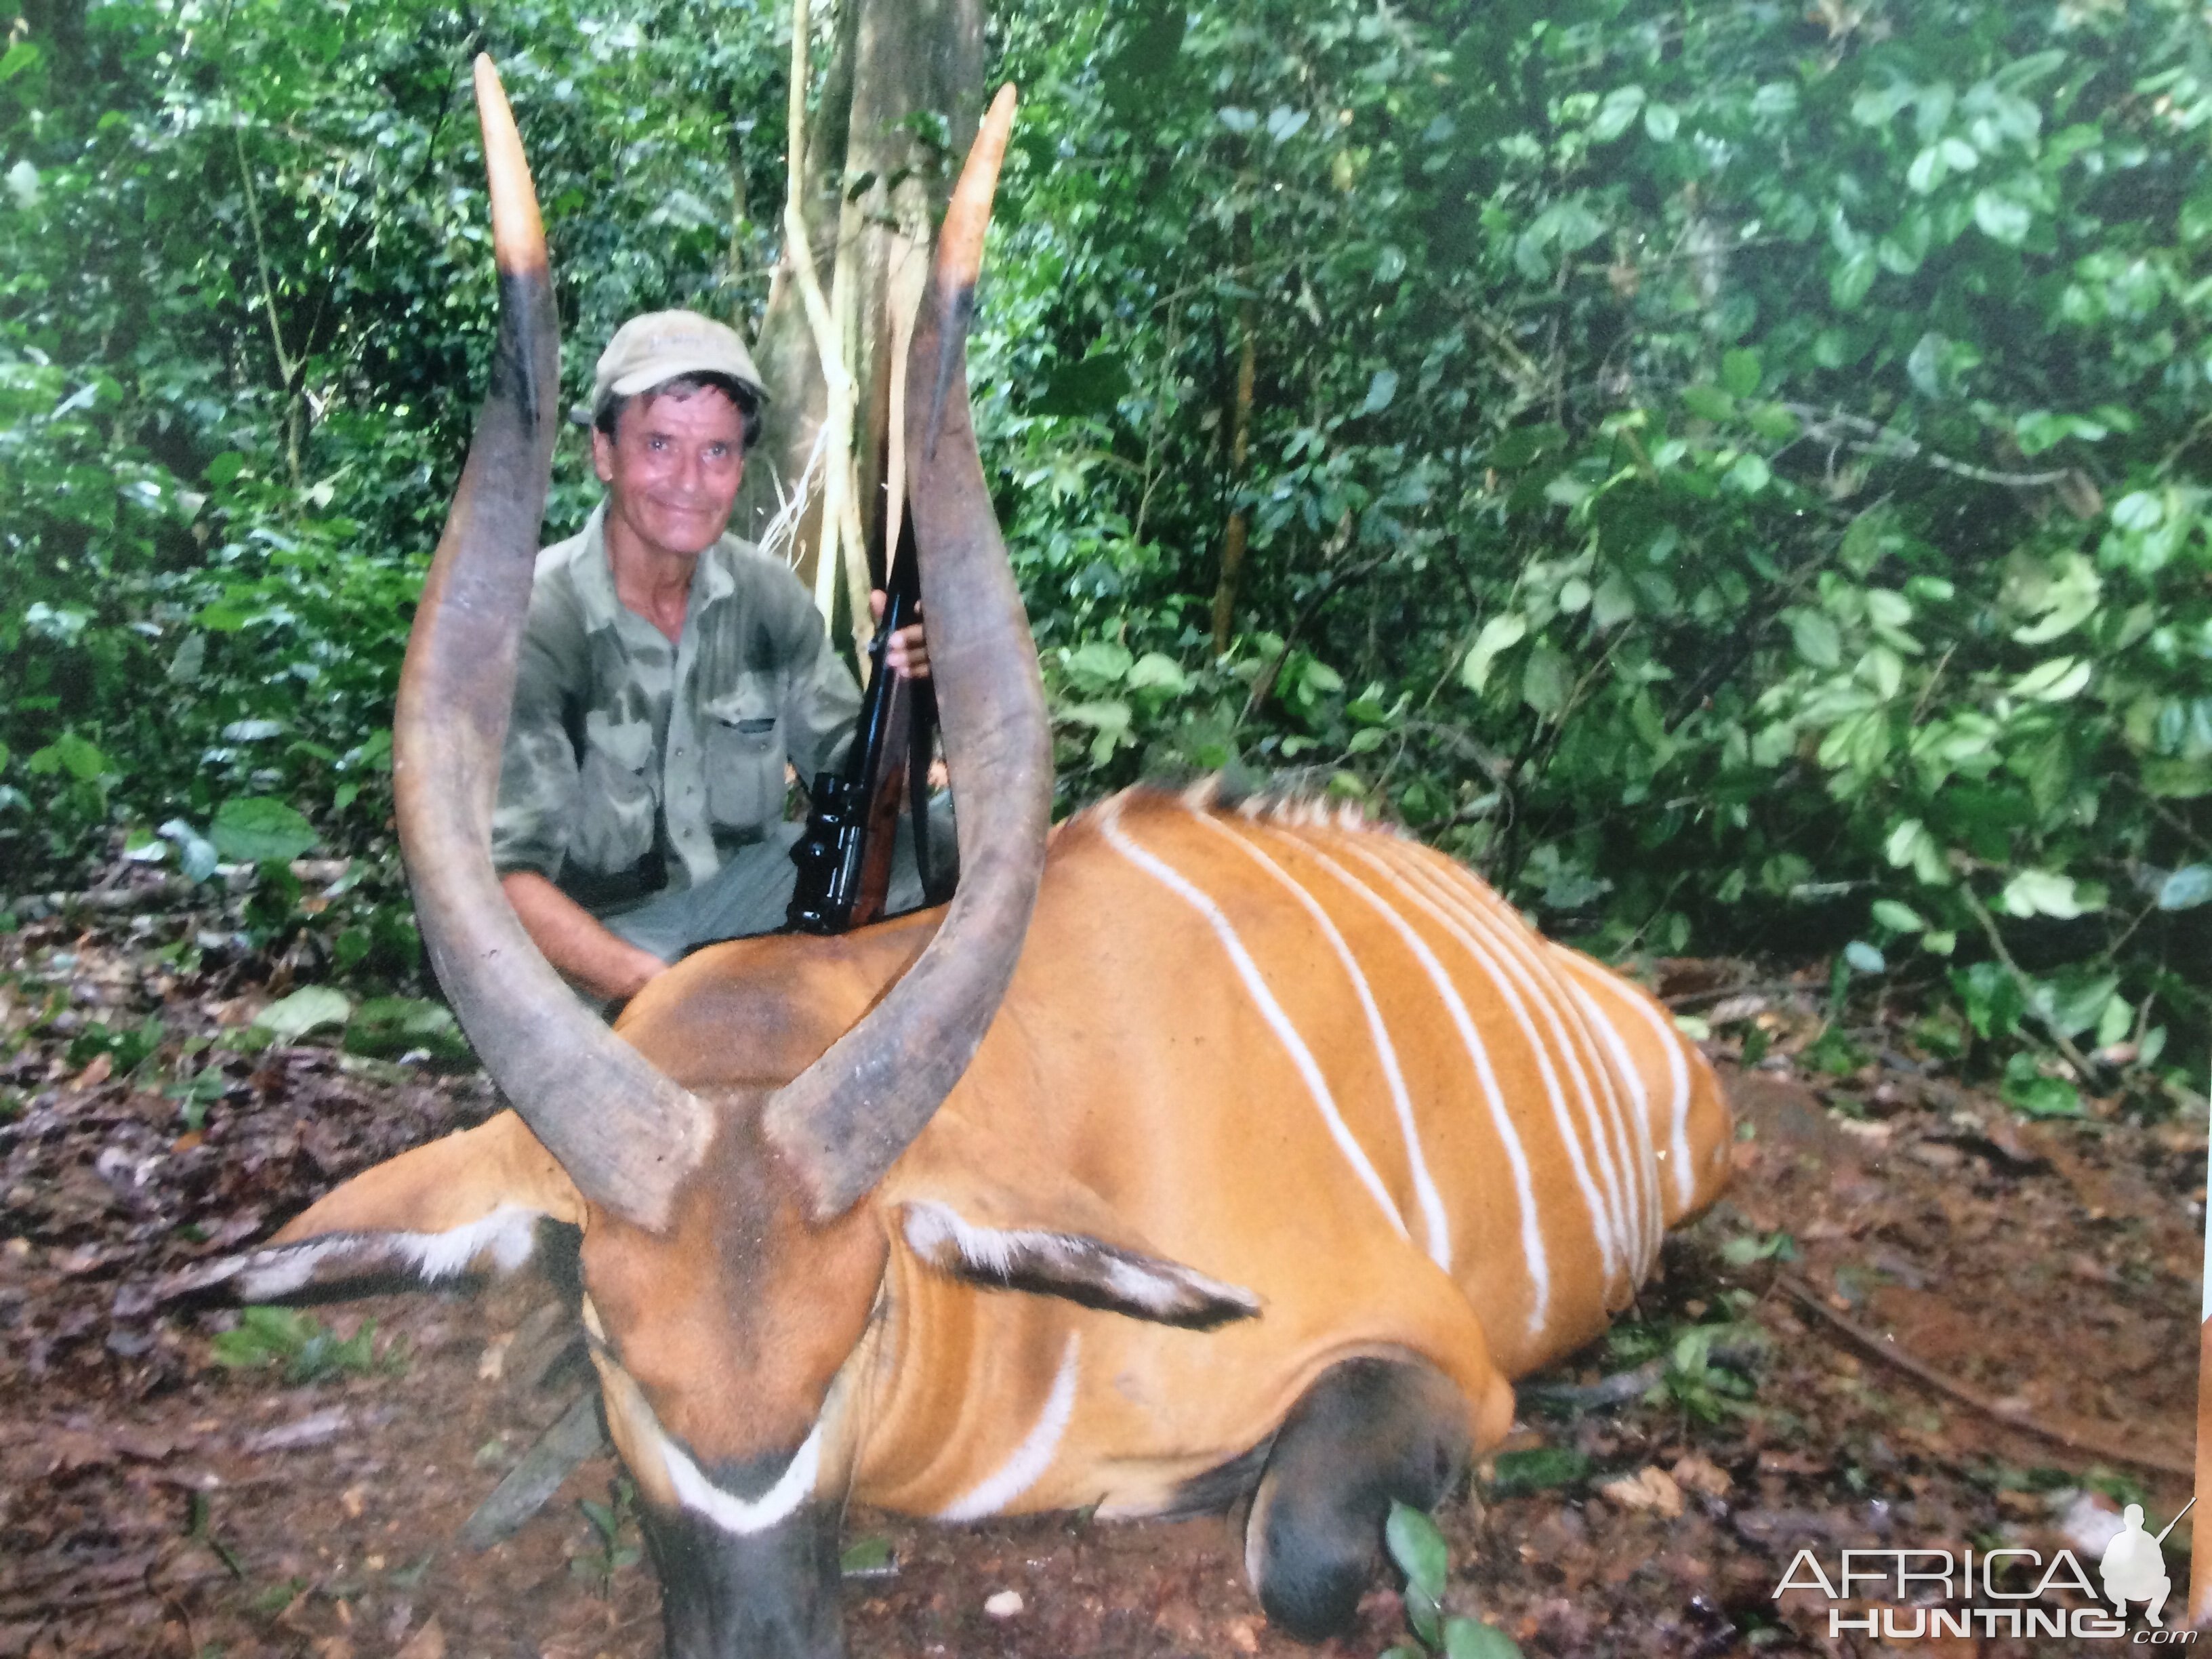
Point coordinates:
[(1192, 1153)]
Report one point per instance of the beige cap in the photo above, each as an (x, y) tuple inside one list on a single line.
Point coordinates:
[(650, 350)]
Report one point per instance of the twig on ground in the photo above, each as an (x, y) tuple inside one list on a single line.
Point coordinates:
[(1624, 1386), (2075, 1436)]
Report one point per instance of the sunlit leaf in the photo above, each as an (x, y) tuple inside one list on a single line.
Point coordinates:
[(1500, 633), (251, 828), (308, 1009), (2186, 888)]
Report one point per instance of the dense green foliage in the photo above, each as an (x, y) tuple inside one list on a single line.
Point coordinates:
[(1734, 473)]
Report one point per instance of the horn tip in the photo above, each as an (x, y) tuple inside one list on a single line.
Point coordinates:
[(518, 235)]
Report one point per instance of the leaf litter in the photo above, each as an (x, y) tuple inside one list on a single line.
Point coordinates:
[(196, 1481)]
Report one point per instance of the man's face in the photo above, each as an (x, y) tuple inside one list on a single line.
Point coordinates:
[(672, 469)]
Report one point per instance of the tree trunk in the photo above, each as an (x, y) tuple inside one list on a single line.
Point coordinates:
[(897, 66)]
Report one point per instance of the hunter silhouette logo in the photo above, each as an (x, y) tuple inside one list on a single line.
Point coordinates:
[(2134, 1566), (1905, 1593)]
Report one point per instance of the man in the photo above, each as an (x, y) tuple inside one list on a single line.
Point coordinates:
[(667, 671)]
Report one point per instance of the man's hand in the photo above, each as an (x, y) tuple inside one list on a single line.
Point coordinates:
[(908, 651), (599, 962)]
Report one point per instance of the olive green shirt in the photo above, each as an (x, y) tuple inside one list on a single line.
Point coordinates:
[(635, 766)]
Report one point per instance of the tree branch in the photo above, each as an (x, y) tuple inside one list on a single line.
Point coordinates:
[(1885, 443)]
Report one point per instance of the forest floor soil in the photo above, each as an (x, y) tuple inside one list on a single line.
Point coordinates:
[(1916, 1320)]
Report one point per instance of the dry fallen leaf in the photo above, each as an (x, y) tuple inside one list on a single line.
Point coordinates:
[(428, 1642), (1650, 1488), (102, 1067), (1700, 1475)]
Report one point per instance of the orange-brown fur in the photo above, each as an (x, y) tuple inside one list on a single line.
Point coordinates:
[(1130, 1091)]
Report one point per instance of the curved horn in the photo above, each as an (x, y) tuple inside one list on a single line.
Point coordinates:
[(846, 1119), (624, 1134)]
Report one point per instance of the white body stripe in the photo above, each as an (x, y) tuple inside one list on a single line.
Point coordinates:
[(1607, 1225), (1255, 987), (1639, 1098), (1633, 1176), (1029, 1459), (1678, 1073), (1516, 1156), (739, 1516), (1434, 1220)]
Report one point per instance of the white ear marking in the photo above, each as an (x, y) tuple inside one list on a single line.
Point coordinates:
[(1142, 1286)]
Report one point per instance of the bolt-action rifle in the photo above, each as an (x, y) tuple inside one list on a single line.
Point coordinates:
[(844, 859)]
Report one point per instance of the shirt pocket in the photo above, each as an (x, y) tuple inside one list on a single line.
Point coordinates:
[(615, 804), (743, 739)]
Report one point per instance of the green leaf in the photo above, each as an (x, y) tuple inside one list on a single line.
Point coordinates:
[(1750, 474), (1500, 633), (1091, 386), (1613, 604), (385, 1028), (2186, 888), (2001, 218), (1102, 662), (1865, 958), (1661, 122), (1928, 170), (1910, 843), (1707, 402), (1464, 1638), (2024, 72), (1816, 638), (1155, 671), (81, 759), (1380, 391), (1539, 1468), (1418, 1548), (1848, 282), (195, 854), (1547, 681), (308, 1009), (2043, 893), (1112, 716), (2141, 510), (1898, 917), (1614, 114), (251, 828), (1739, 371), (865, 1556), (2058, 680)]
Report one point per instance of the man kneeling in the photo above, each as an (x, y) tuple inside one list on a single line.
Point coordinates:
[(668, 672)]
